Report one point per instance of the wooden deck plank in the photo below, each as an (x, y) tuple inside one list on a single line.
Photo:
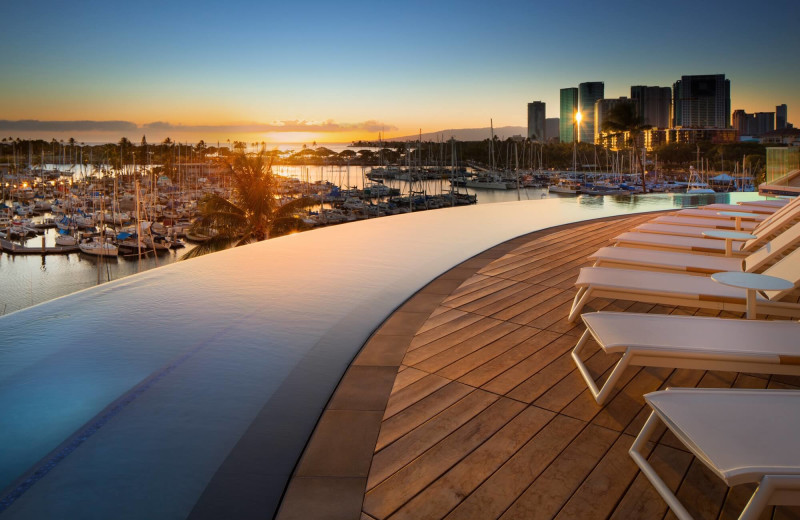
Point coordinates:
[(444, 315), (497, 365), (521, 371), (548, 493), (436, 333), (499, 491), (599, 493), (464, 348), (441, 497), (467, 333), (494, 305), (405, 449), (423, 410), (391, 494), (410, 394), (496, 296), (486, 353)]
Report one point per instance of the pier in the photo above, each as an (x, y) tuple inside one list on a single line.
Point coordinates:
[(16, 249)]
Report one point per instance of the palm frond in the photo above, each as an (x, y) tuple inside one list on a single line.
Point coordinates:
[(293, 206), (214, 244)]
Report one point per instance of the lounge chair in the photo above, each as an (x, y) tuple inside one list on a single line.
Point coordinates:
[(750, 208), (678, 220), (683, 289), (678, 230), (705, 218), (713, 214), (764, 232), (769, 347), (774, 203), (668, 261), (741, 435)]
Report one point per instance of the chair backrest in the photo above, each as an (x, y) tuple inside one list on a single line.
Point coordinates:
[(787, 208), (772, 250), (789, 269), (772, 226)]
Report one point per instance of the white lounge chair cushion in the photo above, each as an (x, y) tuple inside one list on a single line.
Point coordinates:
[(710, 213), (741, 435), (741, 207), (702, 222), (666, 284), (695, 336), (667, 259), (659, 228), (709, 245)]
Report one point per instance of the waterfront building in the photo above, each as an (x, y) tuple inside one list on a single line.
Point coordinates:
[(781, 113), (568, 108), (698, 135), (588, 94), (601, 109), (652, 105), (702, 101), (785, 136), (754, 125), (537, 129)]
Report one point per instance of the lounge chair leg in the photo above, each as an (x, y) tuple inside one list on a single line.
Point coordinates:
[(770, 486), (600, 394), (578, 303), (662, 489)]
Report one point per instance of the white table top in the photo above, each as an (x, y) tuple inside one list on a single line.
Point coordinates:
[(735, 235), (741, 214), (756, 281)]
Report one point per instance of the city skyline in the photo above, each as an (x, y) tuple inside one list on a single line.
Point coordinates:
[(339, 72)]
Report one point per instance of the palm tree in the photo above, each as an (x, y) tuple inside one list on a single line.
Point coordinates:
[(253, 212), (622, 119)]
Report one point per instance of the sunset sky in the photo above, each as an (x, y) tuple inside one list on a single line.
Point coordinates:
[(338, 71)]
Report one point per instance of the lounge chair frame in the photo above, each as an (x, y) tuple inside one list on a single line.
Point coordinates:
[(771, 490), (684, 358)]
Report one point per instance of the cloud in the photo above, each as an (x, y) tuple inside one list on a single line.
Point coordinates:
[(33, 125), (328, 126)]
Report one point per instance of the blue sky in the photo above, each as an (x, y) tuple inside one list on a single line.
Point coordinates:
[(358, 65)]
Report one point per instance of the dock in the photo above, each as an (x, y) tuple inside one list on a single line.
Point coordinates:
[(466, 403), (15, 249)]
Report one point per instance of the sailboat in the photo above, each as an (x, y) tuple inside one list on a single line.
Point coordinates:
[(696, 185)]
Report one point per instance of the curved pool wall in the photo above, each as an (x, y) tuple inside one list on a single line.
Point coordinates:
[(122, 401)]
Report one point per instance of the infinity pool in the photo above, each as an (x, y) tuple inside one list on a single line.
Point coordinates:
[(122, 401)]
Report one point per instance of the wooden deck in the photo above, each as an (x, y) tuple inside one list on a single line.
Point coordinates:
[(488, 418)]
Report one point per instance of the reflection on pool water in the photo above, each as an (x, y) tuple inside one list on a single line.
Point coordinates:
[(123, 400)]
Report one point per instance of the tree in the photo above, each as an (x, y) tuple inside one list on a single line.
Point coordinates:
[(254, 211), (622, 118)]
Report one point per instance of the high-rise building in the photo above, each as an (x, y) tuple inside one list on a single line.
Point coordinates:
[(781, 114), (568, 107), (702, 102), (536, 117), (763, 122), (601, 110), (551, 129), (740, 123), (753, 125), (588, 94), (652, 105)]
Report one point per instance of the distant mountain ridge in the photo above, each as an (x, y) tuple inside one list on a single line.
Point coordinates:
[(465, 134), (479, 134)]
